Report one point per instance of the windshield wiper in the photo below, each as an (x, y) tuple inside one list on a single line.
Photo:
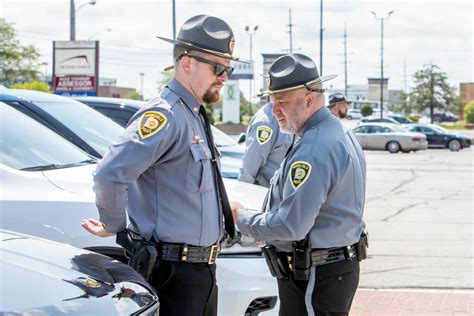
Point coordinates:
[(43, 167)]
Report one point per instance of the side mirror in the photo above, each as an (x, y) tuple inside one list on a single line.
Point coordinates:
[(241, 138)]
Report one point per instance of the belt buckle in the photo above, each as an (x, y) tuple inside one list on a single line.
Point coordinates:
[(212, 255)]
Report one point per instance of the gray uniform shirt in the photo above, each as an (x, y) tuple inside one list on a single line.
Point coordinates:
[(319, 189), (159, 170), (265, 148)]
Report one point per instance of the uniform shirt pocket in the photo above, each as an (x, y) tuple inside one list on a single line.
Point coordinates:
[(199, 176)]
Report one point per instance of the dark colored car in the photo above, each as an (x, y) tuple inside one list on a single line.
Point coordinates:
[(42, 277), (85, 128), (121, 110), (439, 137), (400, 119), (445, 117), (377, 119)]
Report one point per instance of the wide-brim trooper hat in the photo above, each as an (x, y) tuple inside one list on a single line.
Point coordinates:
[(291, 72), (206, 34), (337, 98)]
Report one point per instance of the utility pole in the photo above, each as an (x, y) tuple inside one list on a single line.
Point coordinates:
[(290, 26), (405, 75), (72, 21), (174, 19), (321, 38), (345, 60), (431, 93)]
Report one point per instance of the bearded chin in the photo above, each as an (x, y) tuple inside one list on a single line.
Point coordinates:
[(210, 97)]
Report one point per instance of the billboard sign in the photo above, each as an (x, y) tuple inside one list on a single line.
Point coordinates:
[(75, 67)]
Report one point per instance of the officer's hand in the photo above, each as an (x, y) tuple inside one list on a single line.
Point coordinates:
[(95, 227), (236, 206)]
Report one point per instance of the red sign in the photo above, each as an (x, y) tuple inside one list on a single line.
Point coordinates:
[(74, 84)]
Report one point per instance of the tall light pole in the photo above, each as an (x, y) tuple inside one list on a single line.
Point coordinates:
[(72, 17), (45, 64), (174, 18), (381, 58), (142, 75), (321, 38), (251, 33)]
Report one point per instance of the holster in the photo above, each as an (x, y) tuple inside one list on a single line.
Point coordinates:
[(301, 259), (142, 254), (274, 262), (362, 246)]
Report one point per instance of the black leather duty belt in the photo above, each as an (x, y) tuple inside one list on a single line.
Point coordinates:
[(321, 257), (187, 253)]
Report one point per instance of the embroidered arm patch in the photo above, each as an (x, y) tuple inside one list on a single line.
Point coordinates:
[(264, 133), (299, 173), (150, 123)]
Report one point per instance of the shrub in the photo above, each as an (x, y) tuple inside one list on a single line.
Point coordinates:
[(469, 112), (413, 117), (366, 110)]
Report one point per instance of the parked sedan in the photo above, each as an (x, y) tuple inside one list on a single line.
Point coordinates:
[(47, 192), (87, 129), (41, 277), (445, 117), (438, 137), (354, 114), (122, 110), (382, 136)]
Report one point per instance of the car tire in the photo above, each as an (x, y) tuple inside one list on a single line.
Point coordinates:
[(454, 145), (437, 120), (393, 147)]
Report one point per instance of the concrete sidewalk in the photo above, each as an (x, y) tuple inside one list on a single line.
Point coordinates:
[(369, 302)]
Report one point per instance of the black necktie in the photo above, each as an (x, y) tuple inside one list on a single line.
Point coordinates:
[(223, 199)]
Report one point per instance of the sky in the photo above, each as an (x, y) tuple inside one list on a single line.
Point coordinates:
[(418, 33)]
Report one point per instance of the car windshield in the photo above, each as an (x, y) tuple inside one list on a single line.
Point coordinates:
[(29, 145), (221, 139), (94, 128), (439, 129)]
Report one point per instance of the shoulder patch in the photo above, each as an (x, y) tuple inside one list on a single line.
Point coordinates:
[(150, 123), (264, 133), (299, 173)]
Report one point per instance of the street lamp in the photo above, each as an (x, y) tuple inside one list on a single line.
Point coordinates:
[(251, 33), (381, 58), (142, 75), (96, 33), (72, 17), (45, 64)]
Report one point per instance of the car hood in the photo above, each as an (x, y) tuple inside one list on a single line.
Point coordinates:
[(75, 180), (68, 280)]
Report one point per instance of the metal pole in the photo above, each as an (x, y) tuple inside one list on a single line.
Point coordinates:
[(250, 81), (291, 34), (72, 21), (321, 39), (381, 69), (174, 19), (345, 61)]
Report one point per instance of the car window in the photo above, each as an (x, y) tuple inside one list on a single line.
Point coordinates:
[(377, 129), (221, 139), (119, 116), (397, 128), (427, 130), (96, 129), (361, 129), (26, 143)]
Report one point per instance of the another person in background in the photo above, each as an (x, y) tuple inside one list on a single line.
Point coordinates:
[(338, 105)]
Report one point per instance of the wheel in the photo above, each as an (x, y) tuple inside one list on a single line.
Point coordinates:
[(454, 145), (437, 120), (393, 147)]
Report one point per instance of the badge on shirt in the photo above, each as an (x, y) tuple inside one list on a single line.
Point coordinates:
[(150, 123), (299, 173), (264, 133)]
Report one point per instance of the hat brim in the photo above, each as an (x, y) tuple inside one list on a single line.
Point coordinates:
[(348, 102), (194, 47), (314, 81)]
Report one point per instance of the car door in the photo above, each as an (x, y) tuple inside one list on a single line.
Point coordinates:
[(377, 137), (361, 133), (434, 138)]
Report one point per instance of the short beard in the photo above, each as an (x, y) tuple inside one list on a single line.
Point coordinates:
[(342, 114), (210, 97)]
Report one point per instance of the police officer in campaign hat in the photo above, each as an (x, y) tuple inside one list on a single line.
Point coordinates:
[(164, 172), (312, 214), (265, 148), (338, 105)]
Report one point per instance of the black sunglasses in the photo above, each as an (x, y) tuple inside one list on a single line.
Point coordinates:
[(218, 68)]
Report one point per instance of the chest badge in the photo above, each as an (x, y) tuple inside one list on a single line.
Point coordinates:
[(151, 123), (299, 173), (264, 133)]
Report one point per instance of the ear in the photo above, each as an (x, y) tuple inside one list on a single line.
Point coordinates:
[(185, 63), (309, 100)]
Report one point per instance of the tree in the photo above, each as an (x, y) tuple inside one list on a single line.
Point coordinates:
[(432, 91), (133, 95), (18, 63), (469, 112), (366, 110), (33, 85), (166, 76)]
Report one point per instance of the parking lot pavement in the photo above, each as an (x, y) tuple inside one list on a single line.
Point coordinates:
[(419, 213), (412, 302)]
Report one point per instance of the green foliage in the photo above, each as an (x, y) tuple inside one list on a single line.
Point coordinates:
[(33, 85), (366, 110), (18, 63), (133, 95), (469, 112), (166, 76), (413, 117)]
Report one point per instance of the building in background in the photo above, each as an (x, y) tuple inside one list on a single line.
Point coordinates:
[(467, 91)]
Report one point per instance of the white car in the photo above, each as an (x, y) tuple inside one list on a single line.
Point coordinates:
[(353, 114), (47, 192)]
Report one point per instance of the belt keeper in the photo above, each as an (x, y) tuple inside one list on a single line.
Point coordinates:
[(349, 252), (184, 253)]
